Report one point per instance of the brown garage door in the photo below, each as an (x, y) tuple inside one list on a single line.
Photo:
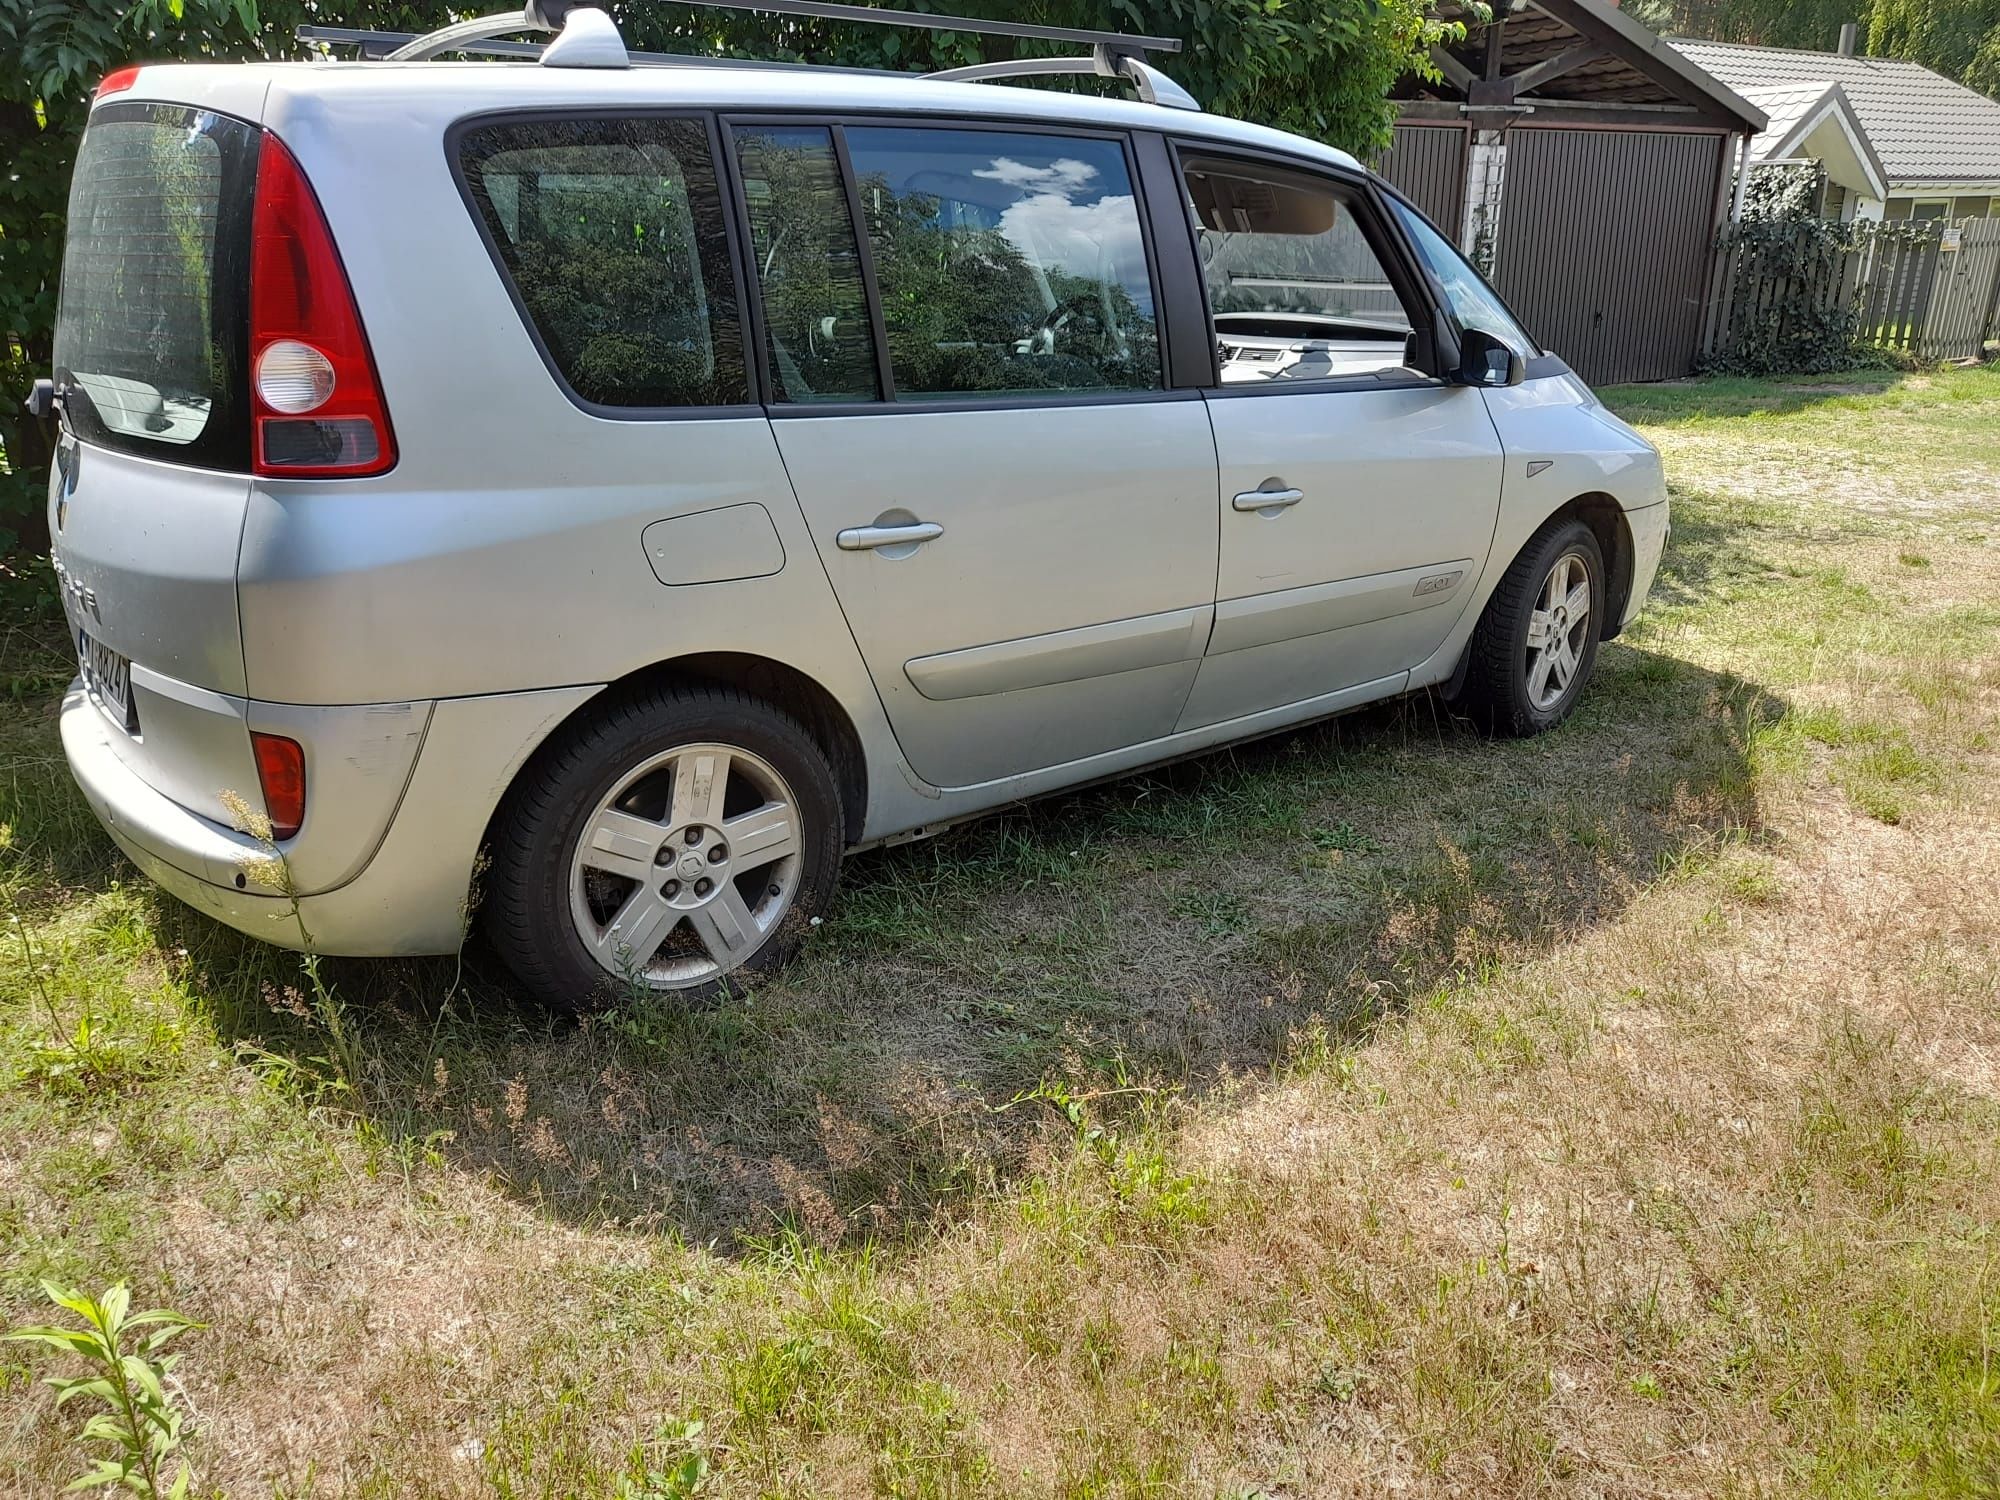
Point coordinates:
[(1427, 163), (1606, 238)]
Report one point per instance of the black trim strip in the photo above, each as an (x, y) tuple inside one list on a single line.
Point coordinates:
[(1387, 380), (736, 203), (864, 250), (1190, 344), (1024, 401)]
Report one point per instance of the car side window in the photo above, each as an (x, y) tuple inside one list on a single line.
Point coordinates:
[(613, 236), (1296, 288), (1007, 262), (817, 335), (1473, 303)]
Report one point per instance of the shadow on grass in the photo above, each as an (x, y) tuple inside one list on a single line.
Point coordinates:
[(1670, 403), (1154, 938)]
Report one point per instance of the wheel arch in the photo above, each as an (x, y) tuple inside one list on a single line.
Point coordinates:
[(1606, 519), (777, 683)]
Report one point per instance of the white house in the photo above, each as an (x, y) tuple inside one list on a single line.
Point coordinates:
[(1897, 140)]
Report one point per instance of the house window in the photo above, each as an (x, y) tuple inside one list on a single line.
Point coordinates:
[(1925, 210)]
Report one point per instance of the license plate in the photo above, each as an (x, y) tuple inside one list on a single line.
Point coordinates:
[(107, 675)]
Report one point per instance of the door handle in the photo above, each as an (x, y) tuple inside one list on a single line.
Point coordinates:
[(1269, 501), (868, 538)]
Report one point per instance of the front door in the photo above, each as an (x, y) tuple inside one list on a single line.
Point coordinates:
[(1358, 495), (1017, 517)]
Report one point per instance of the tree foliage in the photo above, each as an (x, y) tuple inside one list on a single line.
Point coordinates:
[(1322, 68), (1958, 38)]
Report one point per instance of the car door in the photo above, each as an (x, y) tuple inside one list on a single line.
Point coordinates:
[(1017, 515), (1358, 493)]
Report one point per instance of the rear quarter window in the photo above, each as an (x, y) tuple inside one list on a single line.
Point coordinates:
[(611, 235), (152, 326)]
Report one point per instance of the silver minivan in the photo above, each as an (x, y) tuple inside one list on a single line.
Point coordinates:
[(633, 485)]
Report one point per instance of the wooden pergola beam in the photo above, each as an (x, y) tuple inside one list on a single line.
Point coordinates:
[(1456, 73), (1581, 55), (1597, 32)]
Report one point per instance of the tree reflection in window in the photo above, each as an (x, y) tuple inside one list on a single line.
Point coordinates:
[(612, 232), (808, 266), (1007, 263)]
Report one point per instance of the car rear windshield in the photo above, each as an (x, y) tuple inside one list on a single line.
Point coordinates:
[(151, 332)]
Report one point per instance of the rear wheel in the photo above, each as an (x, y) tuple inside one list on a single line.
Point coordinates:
[(1536, 644), (681, 840)]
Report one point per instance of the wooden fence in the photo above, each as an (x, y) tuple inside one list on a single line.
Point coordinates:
[(1894, 272), (1791, 295), (1965, 294)]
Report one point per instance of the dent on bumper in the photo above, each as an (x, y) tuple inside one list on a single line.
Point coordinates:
[(410, 897)]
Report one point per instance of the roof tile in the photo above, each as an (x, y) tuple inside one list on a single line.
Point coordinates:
[(1923, 126)]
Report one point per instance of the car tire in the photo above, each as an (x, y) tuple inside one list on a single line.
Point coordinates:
[(677, 839), (1531, 654)]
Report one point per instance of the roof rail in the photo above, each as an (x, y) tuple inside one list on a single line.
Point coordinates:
[(923, 20), (1105, 60), (586, 37)]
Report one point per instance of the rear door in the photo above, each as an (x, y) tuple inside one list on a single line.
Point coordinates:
[(1358, 494), (1017, 516)]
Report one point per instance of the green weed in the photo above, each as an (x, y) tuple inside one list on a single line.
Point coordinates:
[(141, 1422)]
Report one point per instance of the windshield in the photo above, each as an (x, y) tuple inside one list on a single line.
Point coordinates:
[(150, 334)]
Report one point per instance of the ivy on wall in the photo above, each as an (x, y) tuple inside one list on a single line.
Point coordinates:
[(1788, 190), (1795, 284), (1796, 288)]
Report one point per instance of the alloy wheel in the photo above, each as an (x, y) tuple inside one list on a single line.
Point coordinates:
[(686, 866), (1558, 631)]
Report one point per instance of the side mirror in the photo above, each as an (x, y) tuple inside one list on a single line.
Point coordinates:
[(1484, 360)]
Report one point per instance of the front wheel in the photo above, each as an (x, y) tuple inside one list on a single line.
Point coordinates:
[(1536, 644), (679, 840)]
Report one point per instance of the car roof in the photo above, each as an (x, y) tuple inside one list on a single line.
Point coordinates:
[(430, 93)]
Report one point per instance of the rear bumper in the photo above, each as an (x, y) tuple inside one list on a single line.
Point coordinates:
[(408, 899), (202, 862)]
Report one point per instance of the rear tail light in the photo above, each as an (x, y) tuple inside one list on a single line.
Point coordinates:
[(117, 82), (316, 404), (281, 771)]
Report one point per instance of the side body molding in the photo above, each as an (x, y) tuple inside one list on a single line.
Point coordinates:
[(1316, 608), (1063, 656)]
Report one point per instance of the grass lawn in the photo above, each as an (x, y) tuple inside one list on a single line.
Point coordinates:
[(1377, 1108)]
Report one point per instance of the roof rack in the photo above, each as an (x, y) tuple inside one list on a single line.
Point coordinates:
[(586, 37)]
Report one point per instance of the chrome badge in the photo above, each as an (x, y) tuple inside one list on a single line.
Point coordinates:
[(76, 593), (1439, 583)]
